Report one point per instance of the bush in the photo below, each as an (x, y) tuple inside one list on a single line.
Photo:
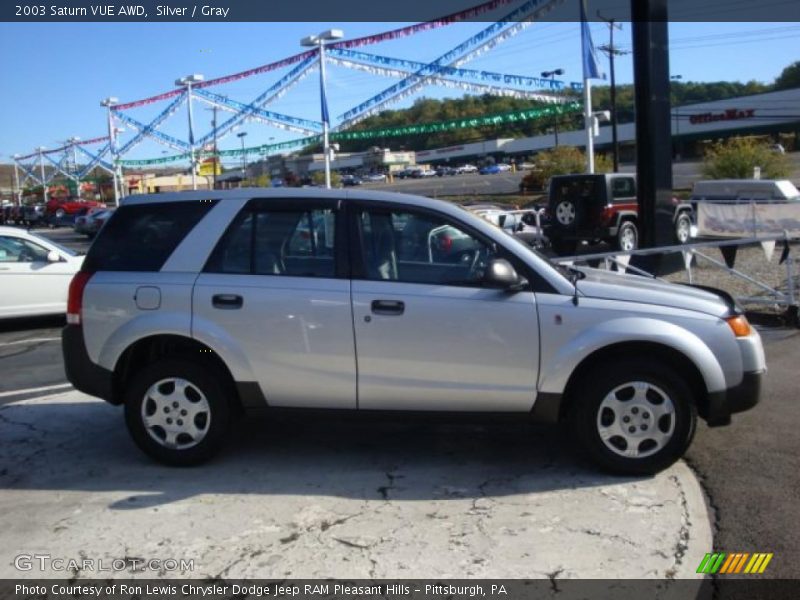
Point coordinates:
[(561, 161), (319, 178), (735, 158)]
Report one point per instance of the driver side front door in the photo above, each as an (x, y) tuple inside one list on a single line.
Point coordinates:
[(429, 335)]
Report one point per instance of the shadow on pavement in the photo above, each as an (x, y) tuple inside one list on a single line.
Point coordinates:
[(28, 323), (84, 446)]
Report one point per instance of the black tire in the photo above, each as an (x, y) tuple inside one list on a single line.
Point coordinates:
[(683, 228), (609, 383), (206, 380), (564, 247), (627, 236)]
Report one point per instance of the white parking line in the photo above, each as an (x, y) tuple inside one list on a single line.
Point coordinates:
[(30, 341), (46, 388)]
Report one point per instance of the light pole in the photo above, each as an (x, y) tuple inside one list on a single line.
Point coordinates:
[(319, 42), (677, 121), (241, 135), (611, 51), (187, 82), (552, 76), (41, 150), (215, 163), (73, 141), (17, 190), (112, 144)]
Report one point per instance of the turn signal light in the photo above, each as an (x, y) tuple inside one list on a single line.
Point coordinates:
[(739, 325)]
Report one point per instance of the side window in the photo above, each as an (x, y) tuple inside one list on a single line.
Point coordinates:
[(13, 249), (623, 187), (416, 247), (277, 242)]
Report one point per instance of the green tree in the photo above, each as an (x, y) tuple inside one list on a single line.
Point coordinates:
[(562, 161), (736, 158), (318, 177), (789, 77)]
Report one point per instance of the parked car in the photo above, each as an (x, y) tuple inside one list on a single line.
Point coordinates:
[(225, 312), (467, 169), (601, 207), (489, 170), (375, 177), (503, 167), (442, 171), (35, 274), (90, 223), (62, 207), (521, 224), (350, 180), (744, 191)]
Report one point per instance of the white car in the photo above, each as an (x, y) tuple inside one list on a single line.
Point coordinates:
[(34, 274), (503, 167), (467, 169)]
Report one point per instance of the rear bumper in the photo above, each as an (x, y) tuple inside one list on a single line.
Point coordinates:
[(82, 373), (739, 398)]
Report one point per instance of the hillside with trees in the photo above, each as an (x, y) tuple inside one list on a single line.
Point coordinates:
[(427, 110)]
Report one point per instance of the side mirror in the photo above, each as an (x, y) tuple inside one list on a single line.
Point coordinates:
[(53, 256), (500, 274)]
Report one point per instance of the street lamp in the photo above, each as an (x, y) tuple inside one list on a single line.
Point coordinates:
[(552, 76), (112, 144), (612, 51), (677, 120), (187, 82), (41, 150), (17, 190), (319, 42), (74, 141), (241, 135)]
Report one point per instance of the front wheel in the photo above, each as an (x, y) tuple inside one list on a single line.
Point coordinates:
[(178, 412), (634, 418)]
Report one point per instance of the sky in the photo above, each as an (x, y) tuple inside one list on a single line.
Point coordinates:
[(54, 74)]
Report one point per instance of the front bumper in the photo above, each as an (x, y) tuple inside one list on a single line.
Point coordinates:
[(82, 373), (719, 406)]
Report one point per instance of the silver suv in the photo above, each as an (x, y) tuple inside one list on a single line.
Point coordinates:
[(194, 307)]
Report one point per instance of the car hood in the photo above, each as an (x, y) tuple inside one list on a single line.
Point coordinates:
[(611, 285)]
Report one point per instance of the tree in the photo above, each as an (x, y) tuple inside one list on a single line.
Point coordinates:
[(319, 178), (561, 161), (736, 158), (789, 77)]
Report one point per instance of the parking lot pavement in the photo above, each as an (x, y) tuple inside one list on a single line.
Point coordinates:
[(337, 497)]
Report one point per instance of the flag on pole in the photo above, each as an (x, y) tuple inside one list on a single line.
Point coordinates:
[(591, 66)]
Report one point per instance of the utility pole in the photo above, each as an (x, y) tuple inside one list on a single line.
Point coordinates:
[(611, 51), (17, 190), (215, 159)]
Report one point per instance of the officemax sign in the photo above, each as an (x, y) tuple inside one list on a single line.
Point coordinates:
[(731, 114)]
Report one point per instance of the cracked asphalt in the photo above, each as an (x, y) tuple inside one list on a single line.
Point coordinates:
[(344, 497)]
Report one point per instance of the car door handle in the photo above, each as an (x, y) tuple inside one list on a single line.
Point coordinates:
[(227, 301), (388, 307)]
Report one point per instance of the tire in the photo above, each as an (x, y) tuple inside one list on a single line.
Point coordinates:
[(683, 228), (565, 213), (627, 236), (204, 393), (564, 247), (609, 397)]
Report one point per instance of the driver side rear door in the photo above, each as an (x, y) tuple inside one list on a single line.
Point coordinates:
[(429, 335)]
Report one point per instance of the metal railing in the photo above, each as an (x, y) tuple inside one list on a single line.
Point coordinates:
[(772, 295)]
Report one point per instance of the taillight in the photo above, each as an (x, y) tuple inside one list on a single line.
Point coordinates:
[(75, 297)]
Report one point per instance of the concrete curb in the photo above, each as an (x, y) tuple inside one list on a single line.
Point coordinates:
[(328, 499)]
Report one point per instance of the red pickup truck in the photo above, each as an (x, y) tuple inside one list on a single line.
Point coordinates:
[(60, 207)]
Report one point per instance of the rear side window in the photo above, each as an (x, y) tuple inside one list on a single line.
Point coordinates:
[(142, 237), (623, 187), (294, 243)]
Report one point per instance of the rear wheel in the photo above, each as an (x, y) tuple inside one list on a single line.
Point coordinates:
[(177, 411), (634, 417), (628, 236)]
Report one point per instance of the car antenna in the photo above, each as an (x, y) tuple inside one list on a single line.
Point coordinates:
[(575, 294)]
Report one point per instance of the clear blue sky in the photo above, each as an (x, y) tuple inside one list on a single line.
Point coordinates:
[(53, 75)]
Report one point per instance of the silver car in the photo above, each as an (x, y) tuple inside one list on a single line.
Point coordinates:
[(192, 307)]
